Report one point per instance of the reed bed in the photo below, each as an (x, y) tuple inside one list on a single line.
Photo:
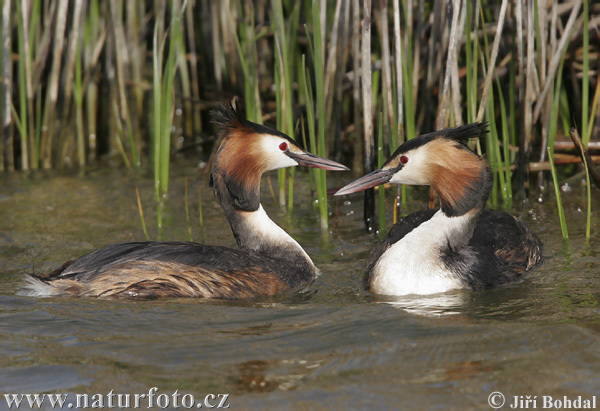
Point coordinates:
[(86, 81)]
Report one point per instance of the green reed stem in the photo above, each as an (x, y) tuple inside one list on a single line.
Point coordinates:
[(409, 101), (557, 91), (246, 46), (593, 110), (319, 67), (380, 160), (588, 186), (141, 212), (38, 129), (512, 96), (167, 101), (281, 173), (163, 80), (561, 211), (157, 53), (78, 98), (15, 118), (283, 43), (316, 51), (565, 112), (493, 149), (307, 94), (187, 212), (200, 215), (119, 139), (507, 187)]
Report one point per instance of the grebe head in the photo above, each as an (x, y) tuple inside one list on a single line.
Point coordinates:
[(441, 159), (248, 148)]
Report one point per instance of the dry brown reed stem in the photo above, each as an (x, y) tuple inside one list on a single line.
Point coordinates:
[(332, 59), (336, 101), (184, 77), (356, 91), (558, 159), (121, 60), (444, 109), (92, 58), (53, 83), (548, 104), (333, 66), (229, 15), (386, 70), (542, 27), (369, 207), (6, 136), (529, 85), (193, 63), (398, 65), (74, 37), (585, 156), (216, 40), (454, 78), (417, 46), (28, 86), (434, 57), (556, 59), (43, 48), (520, 66), (366, 86), (492, 63), (136, 52)]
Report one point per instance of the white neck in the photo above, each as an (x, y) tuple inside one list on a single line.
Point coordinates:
[(414, 265), (256, 231)]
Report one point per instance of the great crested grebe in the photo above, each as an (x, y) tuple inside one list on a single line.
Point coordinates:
[(268, 262), (461, 245)]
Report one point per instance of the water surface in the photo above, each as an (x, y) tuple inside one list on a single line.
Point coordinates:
[(332, 345)]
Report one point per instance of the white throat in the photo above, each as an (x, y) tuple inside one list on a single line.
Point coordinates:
[(414, 264)]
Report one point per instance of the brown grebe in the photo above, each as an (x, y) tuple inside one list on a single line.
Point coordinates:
[(461, 245), (268, 262)]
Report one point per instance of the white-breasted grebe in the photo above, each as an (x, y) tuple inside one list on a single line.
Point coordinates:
[(268, 260), (462, 245)]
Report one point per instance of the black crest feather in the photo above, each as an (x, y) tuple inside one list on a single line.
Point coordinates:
[(228, 119), (465, 132)]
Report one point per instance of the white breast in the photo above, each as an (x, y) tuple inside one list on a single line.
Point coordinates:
[(413, 265)]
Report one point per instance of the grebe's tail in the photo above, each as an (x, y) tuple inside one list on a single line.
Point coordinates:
[(35, 286)]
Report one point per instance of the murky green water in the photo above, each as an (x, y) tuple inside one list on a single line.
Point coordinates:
[(333, 346)]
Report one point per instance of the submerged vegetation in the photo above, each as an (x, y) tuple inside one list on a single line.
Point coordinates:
[(85, 80)]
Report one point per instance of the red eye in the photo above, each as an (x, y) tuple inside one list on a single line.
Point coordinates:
[(404, 159), (283, 146)]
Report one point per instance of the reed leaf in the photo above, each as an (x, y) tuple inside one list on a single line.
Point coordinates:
[(561, 211)]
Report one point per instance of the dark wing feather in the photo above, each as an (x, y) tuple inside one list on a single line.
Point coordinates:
[(503, 249), (182, 252), (152, 269)]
